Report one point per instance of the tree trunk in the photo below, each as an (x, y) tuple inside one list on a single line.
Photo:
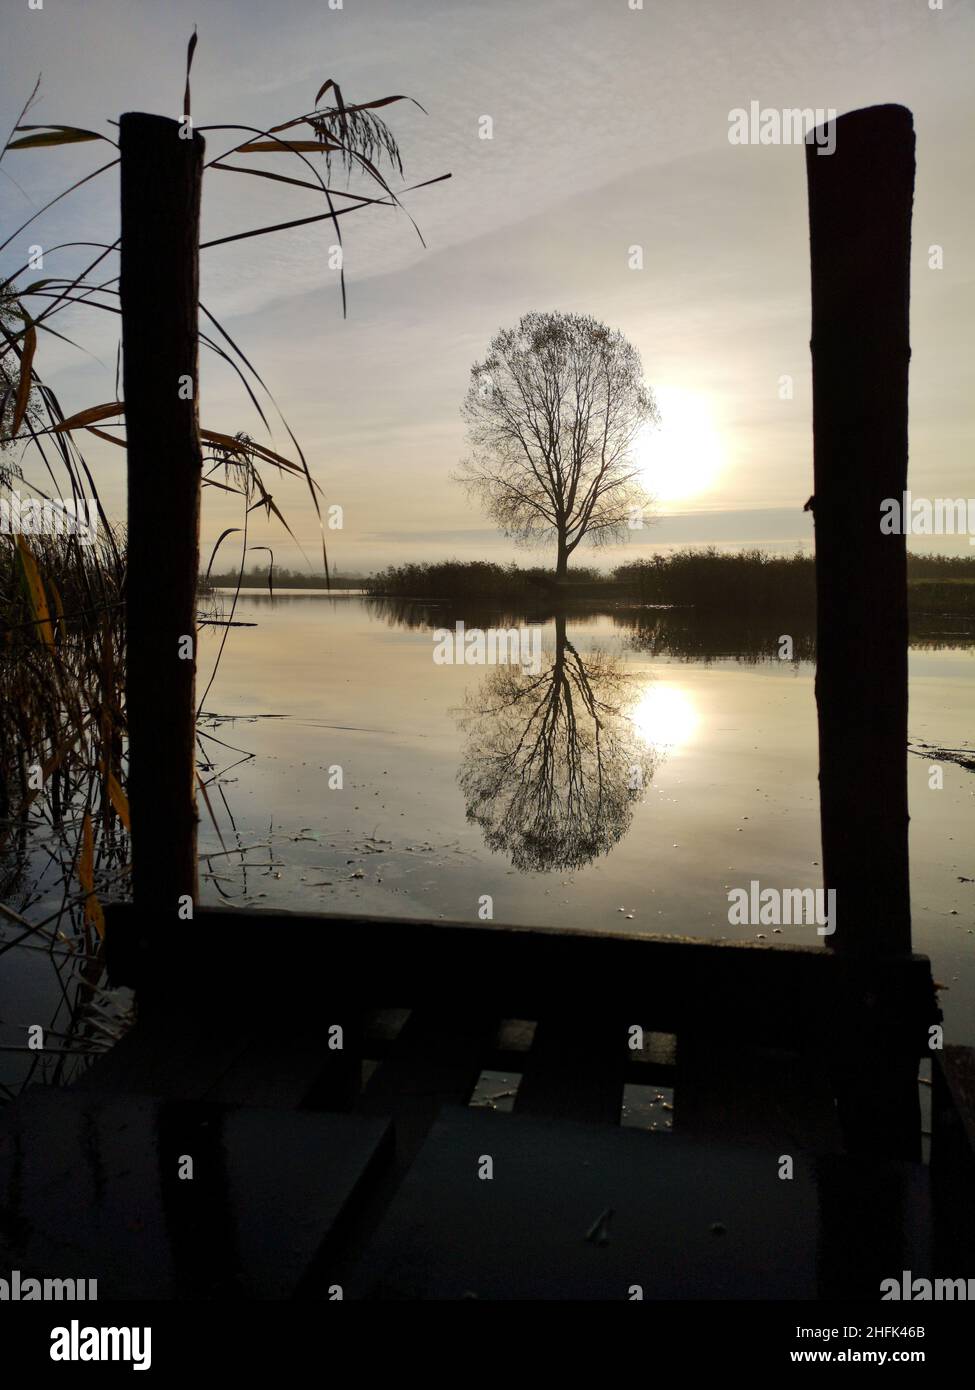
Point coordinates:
[(562, 561)]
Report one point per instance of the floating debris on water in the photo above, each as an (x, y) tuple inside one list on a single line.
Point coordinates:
[(598, 1233)]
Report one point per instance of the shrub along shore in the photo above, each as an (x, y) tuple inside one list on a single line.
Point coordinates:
[(743, 581), (739, 581)]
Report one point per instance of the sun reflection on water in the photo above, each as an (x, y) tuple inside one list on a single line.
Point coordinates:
[(665, 716)]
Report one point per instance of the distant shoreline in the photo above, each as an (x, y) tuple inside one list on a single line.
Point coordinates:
[(741, 582)]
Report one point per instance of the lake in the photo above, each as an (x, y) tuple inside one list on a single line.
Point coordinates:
[(636, 767), (647, 763)]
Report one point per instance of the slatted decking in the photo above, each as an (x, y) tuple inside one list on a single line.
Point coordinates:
[(382, 1150)]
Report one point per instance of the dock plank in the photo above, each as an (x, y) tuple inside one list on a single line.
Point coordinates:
[(574, 1069), (754, 1095), (171, 1056), (777, 995), (586, 1212), (686, 1221), (90, 1189)]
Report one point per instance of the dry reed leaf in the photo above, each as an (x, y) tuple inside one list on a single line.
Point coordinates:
[(86, 877), (35, 591), (23, 386), (91, 416), (53, 135)]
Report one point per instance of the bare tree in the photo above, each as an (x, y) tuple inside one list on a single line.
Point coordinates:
[(552, 415)]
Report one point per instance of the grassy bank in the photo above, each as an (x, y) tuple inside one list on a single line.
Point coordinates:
[(480, 580), (280, 579), (745, 581)]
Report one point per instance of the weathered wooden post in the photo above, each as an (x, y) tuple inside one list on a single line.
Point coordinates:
[(161, 174), (860, 203)]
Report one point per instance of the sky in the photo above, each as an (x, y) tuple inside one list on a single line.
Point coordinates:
[(609, 130)]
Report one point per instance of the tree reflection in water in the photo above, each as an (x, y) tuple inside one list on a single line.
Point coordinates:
[(555, 763)]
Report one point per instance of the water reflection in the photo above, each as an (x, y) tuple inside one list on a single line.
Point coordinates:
[(556, 761), (682, 634), (665, 716), (688, 634)]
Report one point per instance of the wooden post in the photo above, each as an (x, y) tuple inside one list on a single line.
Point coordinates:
[(860, 201), (161, 174)]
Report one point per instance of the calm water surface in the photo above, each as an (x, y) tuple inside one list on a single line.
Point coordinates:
[(652, 762)]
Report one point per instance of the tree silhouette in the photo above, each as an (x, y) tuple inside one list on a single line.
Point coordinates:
[(552, 415), (553, 765)]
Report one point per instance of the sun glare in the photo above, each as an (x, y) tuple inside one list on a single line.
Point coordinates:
[(683, 455), (665, 716)]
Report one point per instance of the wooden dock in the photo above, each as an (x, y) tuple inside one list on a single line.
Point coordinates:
[(361, 1167)]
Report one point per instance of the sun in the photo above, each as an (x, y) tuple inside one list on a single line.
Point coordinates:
[(684, 455)]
